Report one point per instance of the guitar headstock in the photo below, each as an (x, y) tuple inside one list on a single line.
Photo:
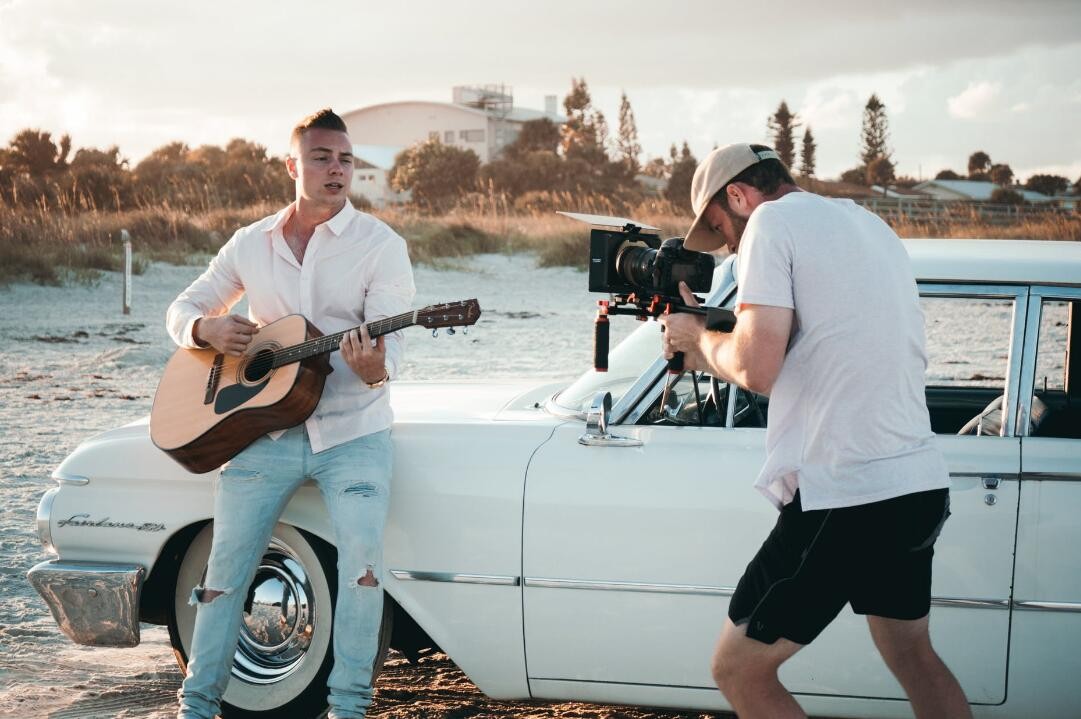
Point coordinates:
[(451, 314)]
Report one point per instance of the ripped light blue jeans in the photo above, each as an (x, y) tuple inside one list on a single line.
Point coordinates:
[(252, 491)]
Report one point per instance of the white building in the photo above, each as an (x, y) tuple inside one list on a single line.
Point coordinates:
[(371, 165), (481, 119)]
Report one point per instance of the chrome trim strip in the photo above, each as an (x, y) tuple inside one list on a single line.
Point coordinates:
[(628, 586), (73, 479), (690, 589), (1001, 476), (1056, 292), (970, 603), (1027, 377), (44, 520), (456, 578), (1048, 606), (1053, 476)]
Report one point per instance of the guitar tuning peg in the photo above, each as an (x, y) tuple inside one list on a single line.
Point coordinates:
[(435, 332), (450, 330)]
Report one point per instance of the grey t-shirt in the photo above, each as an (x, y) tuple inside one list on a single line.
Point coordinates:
[(848, 420)]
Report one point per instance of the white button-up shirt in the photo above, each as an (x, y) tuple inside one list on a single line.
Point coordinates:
[(356, 270)]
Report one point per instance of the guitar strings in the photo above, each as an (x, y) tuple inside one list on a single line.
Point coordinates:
[(326, 343)]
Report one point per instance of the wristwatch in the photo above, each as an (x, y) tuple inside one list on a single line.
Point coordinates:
[(379, 383)]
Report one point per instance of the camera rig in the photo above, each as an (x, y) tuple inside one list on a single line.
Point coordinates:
[(628, 260)]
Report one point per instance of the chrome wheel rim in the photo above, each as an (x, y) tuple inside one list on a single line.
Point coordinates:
[(279, 618)]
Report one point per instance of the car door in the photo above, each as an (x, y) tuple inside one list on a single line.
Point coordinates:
[(1047, 596), (630, 553)]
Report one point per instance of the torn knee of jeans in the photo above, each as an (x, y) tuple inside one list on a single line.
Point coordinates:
[(368, 580), (363, 489), (202, 595)]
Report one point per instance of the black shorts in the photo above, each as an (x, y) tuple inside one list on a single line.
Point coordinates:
[(876, 556)]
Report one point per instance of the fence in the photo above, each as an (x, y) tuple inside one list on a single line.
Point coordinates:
[(923, 210)]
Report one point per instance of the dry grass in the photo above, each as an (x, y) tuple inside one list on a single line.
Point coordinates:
[(49, 248), (1051, 227)]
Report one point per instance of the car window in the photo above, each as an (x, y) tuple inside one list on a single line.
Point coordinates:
[(625, 363), (696, 399), (1054, 412), (1051, 346), (968, 349)]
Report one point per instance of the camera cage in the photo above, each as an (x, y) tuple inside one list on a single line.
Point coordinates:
[(608, 237)]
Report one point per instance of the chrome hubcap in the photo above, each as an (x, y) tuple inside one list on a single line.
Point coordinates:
[(279, 619)]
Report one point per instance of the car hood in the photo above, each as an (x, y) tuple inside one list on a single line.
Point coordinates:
[(471, 401)]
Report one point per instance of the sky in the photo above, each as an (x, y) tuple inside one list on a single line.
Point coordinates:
[(956, 76)]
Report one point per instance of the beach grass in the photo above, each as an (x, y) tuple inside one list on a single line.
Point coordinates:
[(48, 247)]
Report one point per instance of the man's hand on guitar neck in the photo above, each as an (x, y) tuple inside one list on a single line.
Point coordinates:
[(230, 334), (366, 358)]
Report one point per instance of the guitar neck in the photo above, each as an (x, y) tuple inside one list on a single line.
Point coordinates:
[(329, 343)]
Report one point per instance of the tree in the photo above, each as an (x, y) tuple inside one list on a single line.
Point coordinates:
[(1001, 174), (580, 133), (628, 147), (947, 175), (436, 173), (979, 163), (875, 133), (678, 191), (880, 172), (100, 180), (537, 171), (1047, 184), (33, 152), (541, 135), (1006, 196), (782, 124), (807, 154), (657, 167), (855, 176)]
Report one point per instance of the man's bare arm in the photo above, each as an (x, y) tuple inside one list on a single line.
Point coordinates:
[(751, 356)]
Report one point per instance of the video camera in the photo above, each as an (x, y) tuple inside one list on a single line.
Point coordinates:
[(628, 260)]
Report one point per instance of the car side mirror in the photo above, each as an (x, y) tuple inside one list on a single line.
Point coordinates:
[(597, 434)]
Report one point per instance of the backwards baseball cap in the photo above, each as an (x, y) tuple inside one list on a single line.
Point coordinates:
[(717, 170)]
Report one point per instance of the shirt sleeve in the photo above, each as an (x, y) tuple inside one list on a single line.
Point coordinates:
[(765, 262), (212, 294), (390, 292)]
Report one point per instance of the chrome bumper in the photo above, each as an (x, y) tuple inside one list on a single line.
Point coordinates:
[(92, 603)]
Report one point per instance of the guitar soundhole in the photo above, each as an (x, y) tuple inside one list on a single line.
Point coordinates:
[(259, 366)]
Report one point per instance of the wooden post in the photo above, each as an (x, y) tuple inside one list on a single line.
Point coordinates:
[(126, 237)]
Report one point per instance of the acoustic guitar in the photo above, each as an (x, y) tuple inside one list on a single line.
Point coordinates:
[(210, 405)]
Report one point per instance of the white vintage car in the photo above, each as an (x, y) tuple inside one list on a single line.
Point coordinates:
[(581, 542)]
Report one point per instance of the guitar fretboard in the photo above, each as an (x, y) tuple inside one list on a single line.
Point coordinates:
[(329, 343)]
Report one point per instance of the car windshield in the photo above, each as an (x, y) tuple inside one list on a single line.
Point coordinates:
[(634, 355)]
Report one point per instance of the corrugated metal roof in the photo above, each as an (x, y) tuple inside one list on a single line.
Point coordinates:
[(979, 190)]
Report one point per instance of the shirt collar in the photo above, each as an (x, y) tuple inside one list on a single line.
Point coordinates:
[(336, 224), (340, 221)]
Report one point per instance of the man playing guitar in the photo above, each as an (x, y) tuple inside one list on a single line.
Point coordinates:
[(320, 258)]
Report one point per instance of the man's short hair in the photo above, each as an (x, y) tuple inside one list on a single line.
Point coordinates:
[(324, 119), (766, 176)]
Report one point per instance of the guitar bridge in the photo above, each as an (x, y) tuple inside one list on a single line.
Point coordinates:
[(213, 379)]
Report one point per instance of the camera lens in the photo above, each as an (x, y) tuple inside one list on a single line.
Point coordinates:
[(634, 264)]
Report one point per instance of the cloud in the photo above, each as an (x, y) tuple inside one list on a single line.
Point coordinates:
[(975, 102)]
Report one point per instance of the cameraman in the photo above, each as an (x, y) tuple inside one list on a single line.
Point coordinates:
[(830, 327)]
